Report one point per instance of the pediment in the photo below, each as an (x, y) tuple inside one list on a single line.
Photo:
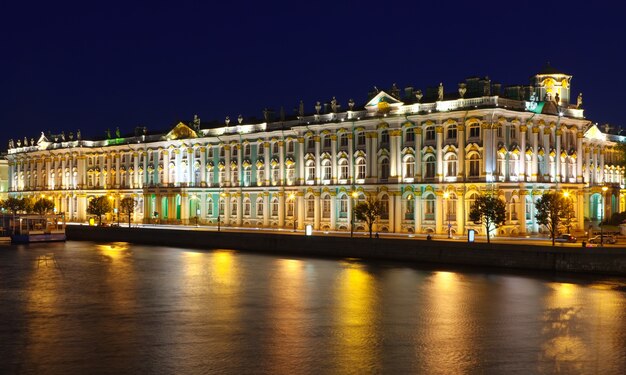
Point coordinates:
[(382, 97), (181, 131)]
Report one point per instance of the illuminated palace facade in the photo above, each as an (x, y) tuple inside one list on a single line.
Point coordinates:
[(425, 155)]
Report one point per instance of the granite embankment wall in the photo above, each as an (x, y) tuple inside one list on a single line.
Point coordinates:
[(606, 261)]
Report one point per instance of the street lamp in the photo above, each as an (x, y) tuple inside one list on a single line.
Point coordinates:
[(604, 189), (354, 196), (446, 196)]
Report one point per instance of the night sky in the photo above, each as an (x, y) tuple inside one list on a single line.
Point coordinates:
[(98, 65)]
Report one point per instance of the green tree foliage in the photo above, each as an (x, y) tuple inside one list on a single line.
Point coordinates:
[(368, 211), (554, 210), (42, 206), (127, 207), (13, 205), (99, 206), (489, 211)]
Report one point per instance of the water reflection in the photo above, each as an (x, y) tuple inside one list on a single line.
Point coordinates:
[(357, 342), (288, 346), (449, 337), (121, 308)]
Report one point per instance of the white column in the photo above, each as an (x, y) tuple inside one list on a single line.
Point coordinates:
[(316, 211), (301, 161), (439, 151), (522, 159)]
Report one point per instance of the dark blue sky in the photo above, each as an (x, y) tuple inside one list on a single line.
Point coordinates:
[(88, 66)]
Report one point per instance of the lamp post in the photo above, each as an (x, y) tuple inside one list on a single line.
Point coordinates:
[(354, 195), (446, 196), (604, 189)]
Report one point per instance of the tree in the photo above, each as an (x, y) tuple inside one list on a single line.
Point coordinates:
[(42, 206), (368, 211), (127, 206), (489, 211), (13, 205), (99, 206), (554, 210)]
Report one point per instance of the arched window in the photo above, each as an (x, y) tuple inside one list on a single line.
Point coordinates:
[(209, 207), (513, 166), (429, 134), (326, 170), (500, 165), (274, 206), (343, 206), (474, 130), (410, 135), (360, 168), (513, 209), (474, 165), (469, 201), (291, 174), (429, 166), (343, 169), (246, 207), (451, 132), (326, 206), (429, 207), (451, 164), (247, 176), (275, 175), (310, 171), (310, 206), (259, 207), (384, 138), (408, 166), (384, 212), (234, 205), (384, 169)]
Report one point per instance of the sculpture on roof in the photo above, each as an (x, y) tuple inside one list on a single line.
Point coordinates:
[(62, 135), (117, 131), (579, 101), (240, 119), (462, 90), (351, 104), (196, 122), (301, 109), (266, 114), (19, 143), (10, 143), (25, 142), (318, 106), (227, 120), (32, 141), (395, 91), (333, 104), (78, 134), (108, 133), (440, 91), (419, 95)]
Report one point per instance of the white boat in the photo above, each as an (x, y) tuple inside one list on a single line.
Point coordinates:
[(36, 228)]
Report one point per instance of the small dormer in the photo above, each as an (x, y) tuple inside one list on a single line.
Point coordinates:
[(552, 86)]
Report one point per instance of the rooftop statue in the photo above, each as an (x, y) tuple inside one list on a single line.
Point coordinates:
[(440, 92)]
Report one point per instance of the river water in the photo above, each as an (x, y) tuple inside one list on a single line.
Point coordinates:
[(119, 308)]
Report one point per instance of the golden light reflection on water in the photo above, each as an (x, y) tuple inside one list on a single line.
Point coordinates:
[(43, 305), (563, 347), (449, 335), (224, 270), (288, 346), (355, 301)]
